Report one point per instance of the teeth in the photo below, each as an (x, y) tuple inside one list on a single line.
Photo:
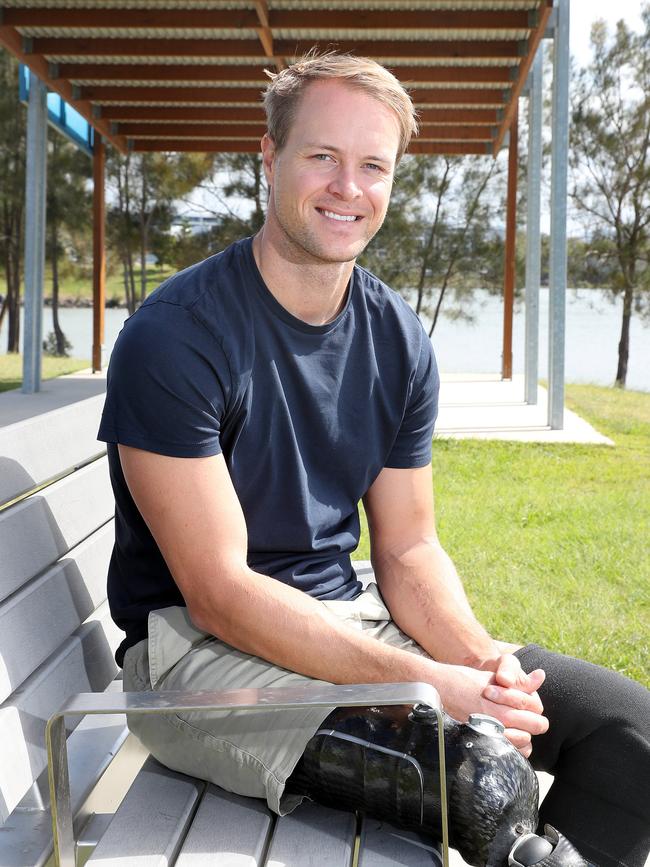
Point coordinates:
[(334, 216)]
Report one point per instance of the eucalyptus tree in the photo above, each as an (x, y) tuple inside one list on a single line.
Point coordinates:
[(610, 152), (12, 194)]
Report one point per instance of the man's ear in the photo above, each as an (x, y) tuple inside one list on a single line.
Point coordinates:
[(268, 157)]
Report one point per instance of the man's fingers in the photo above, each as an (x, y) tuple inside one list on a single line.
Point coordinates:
[(509, 673), (521, 740), (514, 698)]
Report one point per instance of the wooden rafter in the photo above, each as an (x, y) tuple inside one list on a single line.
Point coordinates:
[(241, 146), (11, 40), (432, 131), (248, 72), (522, 74), (380, 48), (344, 19), (439, 96), (209, 114)]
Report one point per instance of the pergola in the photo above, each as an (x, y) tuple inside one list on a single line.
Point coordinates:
[(187, 75)]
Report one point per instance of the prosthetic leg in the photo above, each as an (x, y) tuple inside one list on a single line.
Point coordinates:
[(384, 762)]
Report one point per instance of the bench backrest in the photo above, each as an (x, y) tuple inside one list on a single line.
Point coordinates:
[(56, 534)]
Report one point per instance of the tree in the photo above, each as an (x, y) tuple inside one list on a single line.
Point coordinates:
[(68, 209), (611, 163), (12, 194), (146, 187), (435, 230)]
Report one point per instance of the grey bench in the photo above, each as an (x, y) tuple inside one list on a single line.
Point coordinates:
[(57, 640)]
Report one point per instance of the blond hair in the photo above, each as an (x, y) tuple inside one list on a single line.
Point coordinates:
[(284, 92)]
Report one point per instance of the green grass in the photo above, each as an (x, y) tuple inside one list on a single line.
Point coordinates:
[(553, 541), (11, 368), (80, 287)]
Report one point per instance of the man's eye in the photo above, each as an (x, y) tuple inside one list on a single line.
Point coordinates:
[(374, 167), (322, 157)]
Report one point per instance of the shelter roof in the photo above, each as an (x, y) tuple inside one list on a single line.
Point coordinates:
[(187, 75)]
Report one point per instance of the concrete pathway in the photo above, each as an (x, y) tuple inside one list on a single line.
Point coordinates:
[(480, 406)]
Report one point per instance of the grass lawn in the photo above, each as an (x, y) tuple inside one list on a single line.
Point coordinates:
[(553, 541), (72, 287), (11, 368)]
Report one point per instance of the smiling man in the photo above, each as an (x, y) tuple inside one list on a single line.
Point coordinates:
[(253, 400)]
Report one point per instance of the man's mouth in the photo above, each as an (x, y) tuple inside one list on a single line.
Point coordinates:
[(343, 218)]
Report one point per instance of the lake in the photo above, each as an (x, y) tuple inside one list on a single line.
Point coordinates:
[(593, 326)]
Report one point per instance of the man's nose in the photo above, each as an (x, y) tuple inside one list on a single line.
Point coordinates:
[(345, 185)]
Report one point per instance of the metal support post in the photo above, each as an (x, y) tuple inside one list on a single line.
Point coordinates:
[(35, 195), (510, 245), (558, 250), (533, 234), (99, 252)]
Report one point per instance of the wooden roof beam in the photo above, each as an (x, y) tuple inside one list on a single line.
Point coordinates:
[(524, 67), (209, 114), (162, 72), (12, 41), (237, 130), (238, 72), (100, 93), (252, 147), (178, 113), (345, 19), (124, 95), (121, 47)]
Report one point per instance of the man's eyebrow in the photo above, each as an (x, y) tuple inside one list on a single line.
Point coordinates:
[(328, 147)]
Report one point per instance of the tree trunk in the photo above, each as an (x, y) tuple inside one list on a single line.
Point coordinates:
[(624, 342), (58, 333), (13, 286)]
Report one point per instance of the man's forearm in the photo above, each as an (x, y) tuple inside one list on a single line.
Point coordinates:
[(264, 617), (426, 599)]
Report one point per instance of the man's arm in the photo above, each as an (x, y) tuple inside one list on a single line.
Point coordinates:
[(193, 512), (424, 594)]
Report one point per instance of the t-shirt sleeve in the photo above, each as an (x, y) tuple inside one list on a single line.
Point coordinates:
[(412, 446), (167, 385)]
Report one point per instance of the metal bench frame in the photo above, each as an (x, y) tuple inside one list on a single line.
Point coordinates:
[(316, 695)]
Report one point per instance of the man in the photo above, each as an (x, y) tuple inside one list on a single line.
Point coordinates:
[(252, 401)]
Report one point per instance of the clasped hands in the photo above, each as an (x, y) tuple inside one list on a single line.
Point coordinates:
[(499, 688), (514, 700)]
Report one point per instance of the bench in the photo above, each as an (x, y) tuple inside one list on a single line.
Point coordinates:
[(57, 639)]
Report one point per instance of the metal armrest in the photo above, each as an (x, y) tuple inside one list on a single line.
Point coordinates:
[(310, 695)]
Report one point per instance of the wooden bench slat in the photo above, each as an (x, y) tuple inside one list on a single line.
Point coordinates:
[(151, 821), (84, 663), (234, 831), (37, 531), (40, 448), (383, 845), (26, 838), (41, 615), (312, 836)]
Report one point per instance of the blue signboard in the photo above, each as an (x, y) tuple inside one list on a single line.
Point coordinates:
[(61, 115)]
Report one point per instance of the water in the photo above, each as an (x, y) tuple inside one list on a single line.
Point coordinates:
[(593, 326)]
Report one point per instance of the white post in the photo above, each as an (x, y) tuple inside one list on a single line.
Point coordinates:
[(533, 233), (35, 194), (558, 241)]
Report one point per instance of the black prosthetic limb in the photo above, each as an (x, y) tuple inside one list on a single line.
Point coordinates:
[(384, 762)]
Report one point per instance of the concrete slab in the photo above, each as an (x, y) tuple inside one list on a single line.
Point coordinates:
[(55, 393), (478, 406), (483, 406)]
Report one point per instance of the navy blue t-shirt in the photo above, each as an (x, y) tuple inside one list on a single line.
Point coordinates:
[(306, 417)]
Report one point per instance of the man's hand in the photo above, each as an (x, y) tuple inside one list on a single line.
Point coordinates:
[(467, 690)]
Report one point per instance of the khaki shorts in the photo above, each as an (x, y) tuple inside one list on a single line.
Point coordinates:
[(248, 752)]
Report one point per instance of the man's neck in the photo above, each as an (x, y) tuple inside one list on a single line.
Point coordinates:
[(314, 292)]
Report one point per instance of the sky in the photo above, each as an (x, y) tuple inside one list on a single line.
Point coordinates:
[(585, 12)]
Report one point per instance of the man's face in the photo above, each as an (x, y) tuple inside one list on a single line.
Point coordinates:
[(331, 182)]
